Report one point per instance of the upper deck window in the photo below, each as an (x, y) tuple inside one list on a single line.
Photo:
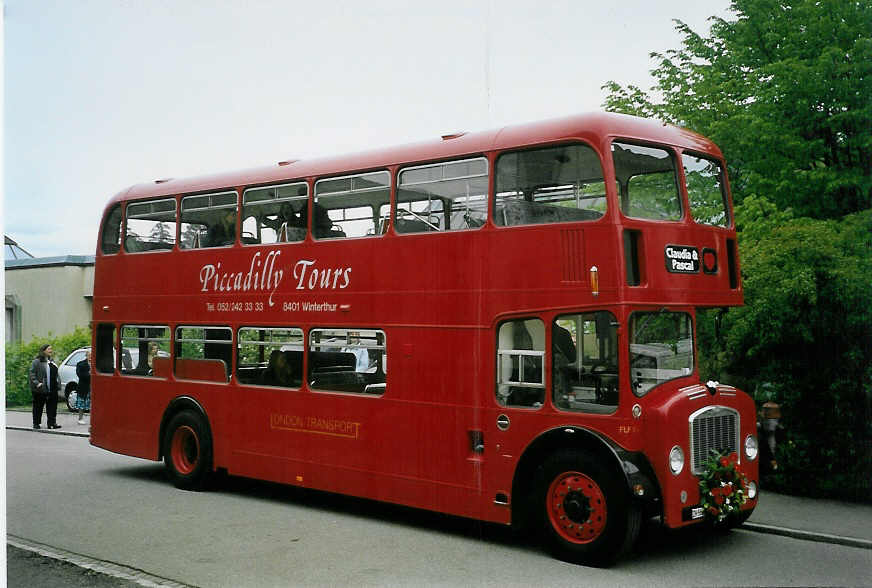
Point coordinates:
[(110, 237), (549, 185), (446, 196), (208, 220), (275, 214), (706, 190), (150, 226), (350, 206), (648, 182)]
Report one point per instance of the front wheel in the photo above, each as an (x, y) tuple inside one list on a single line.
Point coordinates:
[(588, 515), (187, 450)]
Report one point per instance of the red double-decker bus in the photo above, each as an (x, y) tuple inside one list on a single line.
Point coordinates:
[(496, 325)]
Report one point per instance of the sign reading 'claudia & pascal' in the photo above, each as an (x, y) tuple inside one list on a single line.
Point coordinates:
[(682, 259)]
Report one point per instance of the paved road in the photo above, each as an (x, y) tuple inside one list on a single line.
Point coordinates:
[(26, 569), (64, 493)]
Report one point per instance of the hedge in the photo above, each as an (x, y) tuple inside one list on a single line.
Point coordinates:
[(19, 356)]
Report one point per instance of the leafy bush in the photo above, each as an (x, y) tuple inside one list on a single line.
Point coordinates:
[(802, 340), (19, 356)]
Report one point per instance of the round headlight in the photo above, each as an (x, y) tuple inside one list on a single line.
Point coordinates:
[(752, 490), (676, 460), (751, 447)]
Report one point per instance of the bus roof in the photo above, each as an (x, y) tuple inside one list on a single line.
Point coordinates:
[(592, 126)]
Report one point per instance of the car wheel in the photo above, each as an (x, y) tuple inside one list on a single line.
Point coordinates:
[(587, 513), (72, 396), (187, 450)]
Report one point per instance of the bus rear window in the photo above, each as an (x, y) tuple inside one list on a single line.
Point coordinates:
[(648, 182), (150, 226), (551, 185), (110, 237)]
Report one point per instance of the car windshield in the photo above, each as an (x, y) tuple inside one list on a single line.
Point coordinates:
[(661, 348)]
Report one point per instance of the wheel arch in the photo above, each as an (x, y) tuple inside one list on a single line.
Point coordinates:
[(632, 467), (176, 406)]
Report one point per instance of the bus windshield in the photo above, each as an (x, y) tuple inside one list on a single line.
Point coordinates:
[(661, 348)]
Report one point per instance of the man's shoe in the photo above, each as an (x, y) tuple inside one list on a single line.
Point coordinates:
[(36, 427), (55, 426), (81, 421)]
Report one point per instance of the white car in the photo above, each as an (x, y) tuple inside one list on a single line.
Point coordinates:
[(68, 378), (69, 381)]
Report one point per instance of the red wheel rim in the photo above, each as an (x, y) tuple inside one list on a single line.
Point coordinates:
[(185, 449), (576, 507)]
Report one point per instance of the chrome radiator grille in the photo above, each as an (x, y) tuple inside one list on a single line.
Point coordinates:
[(712, 429)]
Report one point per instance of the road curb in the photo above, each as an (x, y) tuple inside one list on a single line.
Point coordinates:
[(807, 535), (108, 568), (48, 431)]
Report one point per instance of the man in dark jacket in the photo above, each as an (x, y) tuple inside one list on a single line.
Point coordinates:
[(44, 384)]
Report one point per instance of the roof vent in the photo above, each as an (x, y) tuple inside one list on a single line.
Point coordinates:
[(288, 161), (162, 180), (453, 136)]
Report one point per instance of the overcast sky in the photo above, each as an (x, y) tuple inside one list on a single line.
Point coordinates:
[(102, 94)]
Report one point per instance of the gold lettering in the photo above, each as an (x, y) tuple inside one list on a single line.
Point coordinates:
[(314, 425)]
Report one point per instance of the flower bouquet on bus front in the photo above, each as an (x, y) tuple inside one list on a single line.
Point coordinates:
[(723, 488)]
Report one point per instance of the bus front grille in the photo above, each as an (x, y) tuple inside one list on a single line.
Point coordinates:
[(714, 429)]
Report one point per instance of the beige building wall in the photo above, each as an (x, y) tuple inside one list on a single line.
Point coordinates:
[(48, 296)]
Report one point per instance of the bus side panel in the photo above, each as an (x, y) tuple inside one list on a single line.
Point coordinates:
[(126, 413)]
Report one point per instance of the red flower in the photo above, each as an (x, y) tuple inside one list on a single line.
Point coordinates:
[(713, 510), (724, 462), (719, 499)]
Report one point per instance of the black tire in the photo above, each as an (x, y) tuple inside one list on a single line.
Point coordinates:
[(588, 516), (187, 450)]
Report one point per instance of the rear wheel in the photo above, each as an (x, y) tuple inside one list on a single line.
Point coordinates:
[(187, 450), (588, 515), (72, 396)]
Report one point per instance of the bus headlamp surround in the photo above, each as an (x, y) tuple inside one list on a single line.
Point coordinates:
[(676, 460), (751, 448)]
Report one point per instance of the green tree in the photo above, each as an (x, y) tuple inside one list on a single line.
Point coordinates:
[(804, 338), (784, 90)]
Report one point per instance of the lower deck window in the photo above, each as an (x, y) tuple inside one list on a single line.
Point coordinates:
[(144, 350), (585, 374), (661, 348), (348, 360), (104, 356), (270, 357), (521, 363), (203, 353)]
